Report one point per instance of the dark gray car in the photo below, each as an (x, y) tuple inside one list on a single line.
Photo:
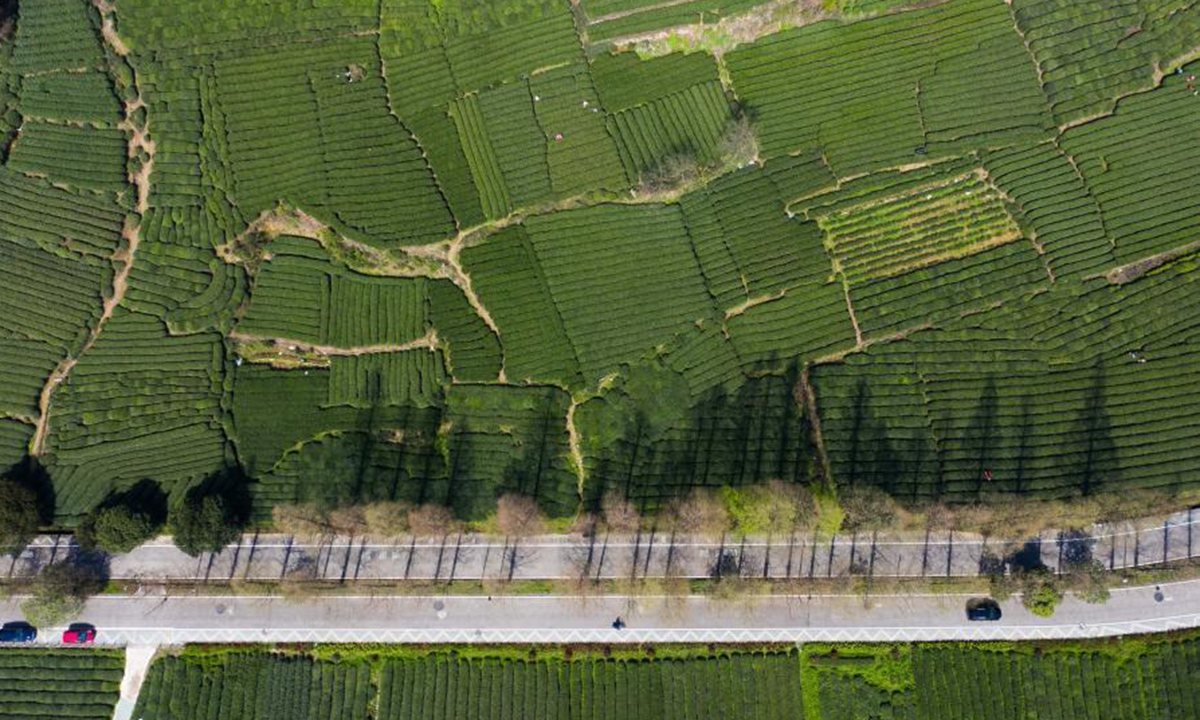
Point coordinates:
[(985, 609)]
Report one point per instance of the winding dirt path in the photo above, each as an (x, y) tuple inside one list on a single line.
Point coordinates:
[(122, 259), (573, 442)]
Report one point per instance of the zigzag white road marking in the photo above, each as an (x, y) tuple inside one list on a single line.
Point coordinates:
[(165, 636)]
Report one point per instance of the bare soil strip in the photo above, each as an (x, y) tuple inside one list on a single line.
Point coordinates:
[(1128, 273), (748, 303), (573, 443), (427, 342)]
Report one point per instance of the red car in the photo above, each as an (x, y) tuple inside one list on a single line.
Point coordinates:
[(79, 635)]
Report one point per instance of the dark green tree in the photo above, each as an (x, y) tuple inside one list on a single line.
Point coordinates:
[(115, 529), (60, 590), (203, 523)]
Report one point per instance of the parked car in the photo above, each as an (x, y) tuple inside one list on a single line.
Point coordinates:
[(17, 632), (79, 634), (985, 609)]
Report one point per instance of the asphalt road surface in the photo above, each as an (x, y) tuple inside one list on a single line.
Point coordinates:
[(161, 620)]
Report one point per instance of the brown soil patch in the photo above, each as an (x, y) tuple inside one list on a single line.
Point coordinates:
[(1128, 273), (285, 347), (748, 303)]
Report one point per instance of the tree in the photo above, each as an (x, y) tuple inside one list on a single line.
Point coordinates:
[(60, 591), (349, 520), (115, 529), (203, 523), (1090, 582), (18, 516), (619, 513), (775, 508), (701, 511), (1039, 593), (430, 519), (305, 520), (386, 518), (739, 143), (792, 506), (519, 515), (672, 172), (867, 508), (749, 509)]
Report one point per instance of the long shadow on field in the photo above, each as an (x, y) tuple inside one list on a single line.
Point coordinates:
[(1024, 445), (872, 458), (526, 471), (754, 434), (981, 433), (30, 474), (1096, 447)]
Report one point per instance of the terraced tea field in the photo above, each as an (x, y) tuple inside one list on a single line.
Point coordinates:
[(1145, 678), (439, 252), (73, 683)]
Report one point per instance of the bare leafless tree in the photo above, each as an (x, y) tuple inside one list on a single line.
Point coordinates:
[(303, 520), (701, 512), (519, 516), (431, 520), (387, 519), (619, 513)]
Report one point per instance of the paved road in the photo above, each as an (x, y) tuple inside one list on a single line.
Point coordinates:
[(475, 557), (556, 619)]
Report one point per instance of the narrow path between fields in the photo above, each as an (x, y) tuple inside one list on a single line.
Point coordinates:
[(137, 663)]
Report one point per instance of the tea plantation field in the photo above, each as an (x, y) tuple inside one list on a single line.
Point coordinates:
[(1140, 678), (73, 683), (438, 252)]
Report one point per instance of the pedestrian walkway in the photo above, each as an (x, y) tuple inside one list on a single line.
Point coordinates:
[(137, 663)]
